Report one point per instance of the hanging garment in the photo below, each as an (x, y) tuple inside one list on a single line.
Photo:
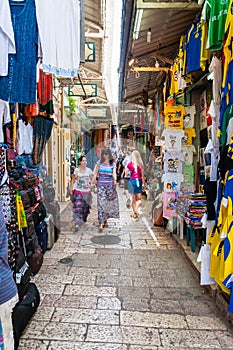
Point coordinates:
[(41, 133), (25, 136), (7, 39), (59, 31), (5, 117), (45, 93), (20, 83)]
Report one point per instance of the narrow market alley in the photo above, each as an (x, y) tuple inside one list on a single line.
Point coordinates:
[(127, 288)]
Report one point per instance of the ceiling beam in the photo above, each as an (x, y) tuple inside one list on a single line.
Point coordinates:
[(168, 5), (149, 69)]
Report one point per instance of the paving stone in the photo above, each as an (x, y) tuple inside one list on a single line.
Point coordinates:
[(136, 304), (85, 346), (202, 322), (125, 335), (114, 281), (33, 344), (190, 339), (108, 303), (56, 331), (90, 291), (86, 316), (150, 319)]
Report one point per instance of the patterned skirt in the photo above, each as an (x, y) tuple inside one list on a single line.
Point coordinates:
[(81, 206), (107, 203)]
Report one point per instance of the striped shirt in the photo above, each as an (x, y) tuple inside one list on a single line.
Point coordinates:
[(8, 287), (105, 175)]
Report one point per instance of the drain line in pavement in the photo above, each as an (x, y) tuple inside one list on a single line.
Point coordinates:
[(151, 231)]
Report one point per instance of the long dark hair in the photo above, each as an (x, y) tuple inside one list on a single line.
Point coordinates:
[(106, 151)]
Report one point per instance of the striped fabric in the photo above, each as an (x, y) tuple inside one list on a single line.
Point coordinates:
[(1, 338), (8, 287)]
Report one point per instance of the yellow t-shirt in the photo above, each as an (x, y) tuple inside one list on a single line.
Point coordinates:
[(174, 117), (174, 77), (189, 133), (228, 46)]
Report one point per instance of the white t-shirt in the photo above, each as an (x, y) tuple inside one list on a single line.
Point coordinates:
[(204, 259), (83, 181), (214, 160), (172, 182), (188, 152), (189, 116), (216, 68), (5, 116), (173, 162), (59, 36), (173, 139), (25, 137)]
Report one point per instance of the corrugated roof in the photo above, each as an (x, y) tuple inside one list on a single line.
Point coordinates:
[(168, 20)]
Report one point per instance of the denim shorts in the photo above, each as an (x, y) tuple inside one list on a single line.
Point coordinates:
[(135, 186)]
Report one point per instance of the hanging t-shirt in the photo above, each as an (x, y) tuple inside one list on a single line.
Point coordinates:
[(174, 77), (228, 46), (188, 173), (193, 47), (188, 136), (216, 13), (190, 114), (214, 153), (169, 204), (174, 117), (173, 139), (5, 117), (25, 137), (216, 68), (188, 152), (61, 48), (173, 162), (204, 259), (172, 182)]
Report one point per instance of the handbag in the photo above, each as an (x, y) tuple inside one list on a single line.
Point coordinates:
[(22, 273), (25, 199), (35, 259), (39, 214)]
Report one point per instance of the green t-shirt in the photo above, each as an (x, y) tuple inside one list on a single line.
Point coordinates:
[(216, 13)]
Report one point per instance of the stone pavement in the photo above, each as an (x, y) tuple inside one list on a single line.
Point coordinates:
[(127, 288)]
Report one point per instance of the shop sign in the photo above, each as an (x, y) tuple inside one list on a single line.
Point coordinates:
[(96, 113), (89, 51), (77, 90)]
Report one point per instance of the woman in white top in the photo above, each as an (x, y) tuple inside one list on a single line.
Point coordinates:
[(80, 191)]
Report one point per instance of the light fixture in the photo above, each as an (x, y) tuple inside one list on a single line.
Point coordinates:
[(148, 36), (131, 61), (156, 63), (137, 24)]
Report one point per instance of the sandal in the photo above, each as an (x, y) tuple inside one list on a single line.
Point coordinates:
[(105, 224), (135, 215)]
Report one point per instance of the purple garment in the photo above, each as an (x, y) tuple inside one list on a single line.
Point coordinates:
[(20, 83), (8, 287)]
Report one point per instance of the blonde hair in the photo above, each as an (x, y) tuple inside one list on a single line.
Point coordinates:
[(136, 158)]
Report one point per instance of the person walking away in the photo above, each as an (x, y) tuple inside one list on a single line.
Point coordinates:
[(136, 181), (80, 191), (105, 178), (8, 289), (126, 178)]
